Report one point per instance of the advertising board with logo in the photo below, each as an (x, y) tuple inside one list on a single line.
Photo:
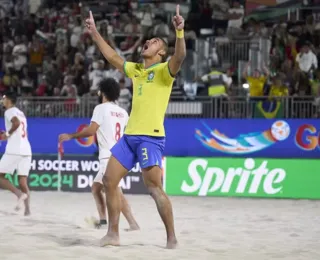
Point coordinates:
[(264, 138), (258, 138), (243, 177), (77, 175)]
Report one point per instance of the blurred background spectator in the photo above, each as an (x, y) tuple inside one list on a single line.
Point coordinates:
[(257, 53)]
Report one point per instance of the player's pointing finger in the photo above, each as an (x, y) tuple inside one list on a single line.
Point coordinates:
[(178, 10), (90, 15)]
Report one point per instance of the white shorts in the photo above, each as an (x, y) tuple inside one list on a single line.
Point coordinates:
[(9, 163), (102, 169)]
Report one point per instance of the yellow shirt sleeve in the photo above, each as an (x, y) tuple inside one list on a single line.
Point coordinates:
[(129, 68), (167, 75)]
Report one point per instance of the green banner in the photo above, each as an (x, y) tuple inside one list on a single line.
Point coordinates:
[(240, 177)]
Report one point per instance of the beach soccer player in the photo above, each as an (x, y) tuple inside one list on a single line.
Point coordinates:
[(144, 137), (108, 122), (18, 154)]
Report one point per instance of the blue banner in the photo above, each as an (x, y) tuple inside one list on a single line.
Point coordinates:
[(296, 138), (43, 135), (267, 138)]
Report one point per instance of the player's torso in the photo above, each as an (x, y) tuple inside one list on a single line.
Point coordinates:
[(111, 129), (151, 93), (18, 142)]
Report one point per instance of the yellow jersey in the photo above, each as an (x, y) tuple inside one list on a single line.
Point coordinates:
[(256, 86), (151, 92), (278, 91)]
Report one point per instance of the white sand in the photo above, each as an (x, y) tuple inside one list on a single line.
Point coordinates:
[(207, 229)]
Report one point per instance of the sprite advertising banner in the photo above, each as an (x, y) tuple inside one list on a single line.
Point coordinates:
[(243, 177), (77, 175)]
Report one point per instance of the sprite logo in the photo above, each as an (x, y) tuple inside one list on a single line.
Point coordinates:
[(251, 178)]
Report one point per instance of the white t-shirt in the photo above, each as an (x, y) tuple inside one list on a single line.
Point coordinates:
[(96, 76), (306, 60), (112, 120), (19, 58), (75, 36), (18, 143), (236, 23), (114, 73)]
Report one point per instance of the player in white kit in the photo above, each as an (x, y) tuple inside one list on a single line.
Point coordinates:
[(17, 156), (108, 122)]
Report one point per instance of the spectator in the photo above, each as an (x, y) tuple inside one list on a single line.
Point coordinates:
[(53, 77), (278, 89), (256, 81), (125, 96), (78, 68), (306, 59), (7, 45), (96, 75), (219, 15), (146, 17), (31, 27), (133, 27), (112, 72), (161, 28), (26, 81), (36, 52), (90, 49), (42, 88), (19, 53), (11, 79), (235, 17), (76, 32), (69, 89)]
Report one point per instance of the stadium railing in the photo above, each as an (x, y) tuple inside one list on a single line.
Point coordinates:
[(182, 107), (221, 52)]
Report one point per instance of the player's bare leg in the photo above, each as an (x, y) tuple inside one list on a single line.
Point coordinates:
[(152, 179), (97, 189), (7, 185), (114, 173), (23, 184), (126, 211)]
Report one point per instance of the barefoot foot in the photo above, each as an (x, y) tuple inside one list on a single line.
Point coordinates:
[(172, 243), (21, 199), (108, 240)]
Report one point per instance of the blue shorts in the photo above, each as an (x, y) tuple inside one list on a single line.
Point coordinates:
[(147, 150)]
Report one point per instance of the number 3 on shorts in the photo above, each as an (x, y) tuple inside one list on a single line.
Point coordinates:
[(144, 154)]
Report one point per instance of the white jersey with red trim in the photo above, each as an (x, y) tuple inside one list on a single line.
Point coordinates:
[(112, 120), (18, 143)]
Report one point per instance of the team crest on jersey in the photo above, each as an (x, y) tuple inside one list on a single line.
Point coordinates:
[(150, 75)]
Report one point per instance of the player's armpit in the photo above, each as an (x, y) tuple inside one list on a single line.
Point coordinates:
[(15, 124)]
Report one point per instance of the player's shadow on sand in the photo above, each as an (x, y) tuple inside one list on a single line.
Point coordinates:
[(66, 241)]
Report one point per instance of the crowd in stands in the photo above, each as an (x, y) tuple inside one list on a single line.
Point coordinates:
[(49, 53)]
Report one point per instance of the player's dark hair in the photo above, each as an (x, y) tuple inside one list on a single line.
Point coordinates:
[(12, 97), (165, 48), (110, 89)]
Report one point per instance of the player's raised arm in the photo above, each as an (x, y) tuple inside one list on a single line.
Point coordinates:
[(180, 48), (108, 52)]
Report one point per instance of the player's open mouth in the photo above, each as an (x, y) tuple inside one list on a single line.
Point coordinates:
[(145, 47)]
